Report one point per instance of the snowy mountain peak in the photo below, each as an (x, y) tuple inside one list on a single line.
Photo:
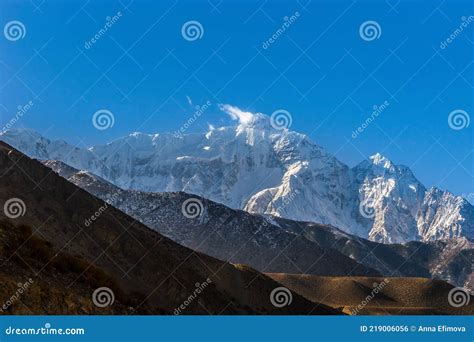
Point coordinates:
[(380, 160), (247, 119), (24, 135), (437, 194), (377, 163), (254, 167), (380, 166)]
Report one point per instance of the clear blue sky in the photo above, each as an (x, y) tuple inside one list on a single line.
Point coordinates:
[(319, 69)]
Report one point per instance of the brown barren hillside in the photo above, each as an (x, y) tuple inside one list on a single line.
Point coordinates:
[(394, 296), (67, 258), (24, 255)]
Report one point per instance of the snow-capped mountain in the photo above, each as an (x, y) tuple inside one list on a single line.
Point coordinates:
[(402, 209), (260, 169)]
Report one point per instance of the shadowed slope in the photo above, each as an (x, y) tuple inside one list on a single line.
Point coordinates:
[(138, 259)]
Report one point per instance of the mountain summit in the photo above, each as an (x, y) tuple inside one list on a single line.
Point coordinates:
[(260, 169)]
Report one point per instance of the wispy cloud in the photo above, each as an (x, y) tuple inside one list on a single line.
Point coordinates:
[(190, 102), (236, 113)]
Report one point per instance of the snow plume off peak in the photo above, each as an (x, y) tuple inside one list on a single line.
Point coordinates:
[(244, 118), (247, 119)]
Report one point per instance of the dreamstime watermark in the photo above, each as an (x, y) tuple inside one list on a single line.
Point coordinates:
[(468, 196), (14, 208), (14, 30), (103, 119), (377, 287), (465, 21), (103, 297), (192, 30), (192, 208), (458, 119), (107, 203), (285, 202), (281, 297), (21, 110), (281, 119), (288, 199), (109, 22), (367, 208), (46, 330), (458, 297), (199, 110), (287, 22), (377, 110), (21, 288), (200, 287), (370, 30)]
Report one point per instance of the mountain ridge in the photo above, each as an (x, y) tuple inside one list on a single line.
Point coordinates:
[(260, 169), (270, 243)]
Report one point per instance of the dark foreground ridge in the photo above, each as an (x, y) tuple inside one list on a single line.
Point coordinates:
[(148, 273)]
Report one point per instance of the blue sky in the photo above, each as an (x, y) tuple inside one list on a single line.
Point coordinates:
[(319, 69)]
